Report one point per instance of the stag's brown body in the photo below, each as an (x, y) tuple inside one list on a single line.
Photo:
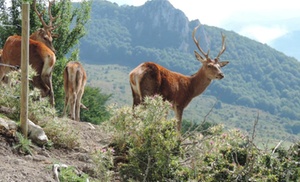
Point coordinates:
[(149, 79), (74, 83), (41, 56)]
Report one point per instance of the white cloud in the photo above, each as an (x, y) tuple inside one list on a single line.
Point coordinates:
[(261, 33)]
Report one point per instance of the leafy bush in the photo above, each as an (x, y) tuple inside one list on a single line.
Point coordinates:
[(38, 108), (24, 145), (232, 156), (148, 148), (60, 133), (103, 164), (203, 127), (147, 142), (95, 101), (69, 174)]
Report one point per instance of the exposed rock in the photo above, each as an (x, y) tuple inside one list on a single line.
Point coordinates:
[(36, 133), (8, 127)]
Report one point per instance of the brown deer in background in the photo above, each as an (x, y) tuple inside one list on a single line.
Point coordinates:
[(74, 83), (41, 55), (149, 79)]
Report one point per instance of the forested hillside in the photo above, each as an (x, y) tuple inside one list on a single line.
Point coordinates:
[(257, 76)]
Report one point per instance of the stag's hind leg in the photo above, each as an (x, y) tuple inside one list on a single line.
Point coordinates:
[(66, 105), (78, 104), (136, 98)]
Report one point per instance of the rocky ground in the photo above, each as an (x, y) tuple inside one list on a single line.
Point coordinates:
[(16, 167)]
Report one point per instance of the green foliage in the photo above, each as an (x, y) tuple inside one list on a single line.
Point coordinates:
[(147, 148), (68, 174), (38, 108), (103, 161), (148, 141), (71, 18), (23, 144), (95, 101), (232, 156), (10, 19), (71, 21), (203, 127), (293, 128), (61, 134)]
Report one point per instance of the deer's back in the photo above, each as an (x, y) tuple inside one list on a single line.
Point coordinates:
[(38, 53), (152, 79)]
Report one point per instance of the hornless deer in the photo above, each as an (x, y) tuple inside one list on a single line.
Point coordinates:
[(41, 55), (150, 79), (74, 83)]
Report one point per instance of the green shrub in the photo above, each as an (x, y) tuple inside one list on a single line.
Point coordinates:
[(24, 145), (61, 134), (148, 142), (231, 156), (95, 101), (148, 148), (69, 174), (38, 108), (103, 164)]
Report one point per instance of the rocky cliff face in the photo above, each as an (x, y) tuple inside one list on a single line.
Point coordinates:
[(162, 25), (138, 31)]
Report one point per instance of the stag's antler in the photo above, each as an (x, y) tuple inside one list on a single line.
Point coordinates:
[(223, 47), (49, 27), (197, 43)]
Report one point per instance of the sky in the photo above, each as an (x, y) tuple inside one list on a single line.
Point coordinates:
[(260, 20)]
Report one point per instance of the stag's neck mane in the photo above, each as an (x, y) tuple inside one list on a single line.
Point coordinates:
[(34, 35), (199, 82)]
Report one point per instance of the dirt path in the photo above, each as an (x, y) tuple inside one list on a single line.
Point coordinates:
[(16, 167)]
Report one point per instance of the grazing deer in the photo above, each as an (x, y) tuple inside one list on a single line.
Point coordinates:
[(74, 83), (41, 55), (149, 79)]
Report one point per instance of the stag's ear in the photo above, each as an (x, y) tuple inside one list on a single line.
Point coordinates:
[(199, 57), (223, 63)]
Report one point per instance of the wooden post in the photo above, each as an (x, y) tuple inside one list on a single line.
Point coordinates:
[(24, 68)]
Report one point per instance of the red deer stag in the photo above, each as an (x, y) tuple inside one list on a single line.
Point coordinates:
[(41, 55), (149, 79), (74, 83)]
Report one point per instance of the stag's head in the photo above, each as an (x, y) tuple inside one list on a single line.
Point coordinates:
[(45, 34), (211, 67)]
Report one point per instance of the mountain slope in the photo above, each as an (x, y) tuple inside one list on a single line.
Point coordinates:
[(258, 76)]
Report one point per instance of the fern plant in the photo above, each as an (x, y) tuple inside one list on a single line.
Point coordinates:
[(24, 145)]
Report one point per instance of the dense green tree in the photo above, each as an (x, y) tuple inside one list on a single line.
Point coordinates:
[(69, 28), (70, 21), (95, 101)]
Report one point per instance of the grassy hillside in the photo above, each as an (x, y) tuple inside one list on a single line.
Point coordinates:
[(257, 76)]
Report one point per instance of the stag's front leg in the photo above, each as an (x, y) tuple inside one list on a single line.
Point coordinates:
[(51, 92), (66, 104), (72, 103), (178, 112)]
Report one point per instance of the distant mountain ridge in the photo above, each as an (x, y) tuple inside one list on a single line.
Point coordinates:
[(257, 76)]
